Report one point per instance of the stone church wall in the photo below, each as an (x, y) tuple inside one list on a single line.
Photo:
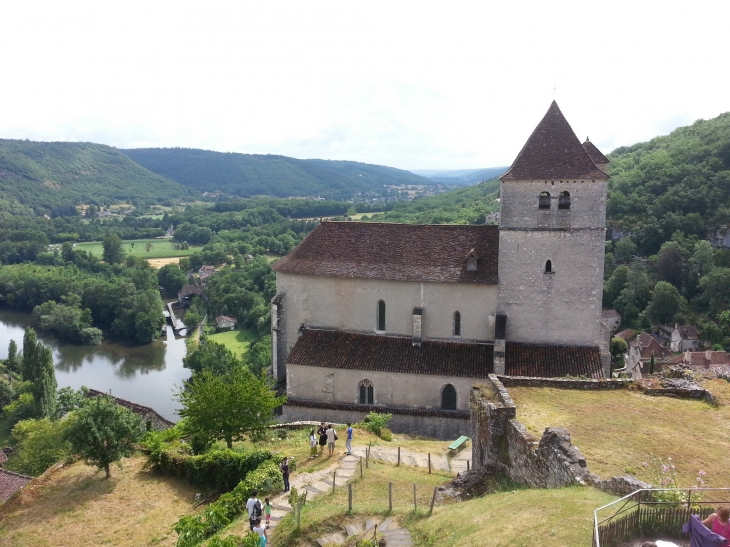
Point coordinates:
[(329, 385), (350, 304)]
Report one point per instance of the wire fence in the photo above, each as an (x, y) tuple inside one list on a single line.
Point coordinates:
[(653, 511)]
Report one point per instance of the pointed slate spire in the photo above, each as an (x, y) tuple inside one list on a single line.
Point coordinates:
[(553, 152), (595, 154)]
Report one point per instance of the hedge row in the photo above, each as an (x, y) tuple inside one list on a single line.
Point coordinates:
[(193, 529)]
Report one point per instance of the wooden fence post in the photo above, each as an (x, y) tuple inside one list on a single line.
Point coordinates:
[(361, 467), (433, 500), (467, 465), (349, 495), (414, 497), (398, 456), (334, 479), (390, 496), (429, 463)]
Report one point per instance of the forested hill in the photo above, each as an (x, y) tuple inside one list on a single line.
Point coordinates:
[(463, 177), (463, 206), (44, 175), (675, 183), (247, 175)]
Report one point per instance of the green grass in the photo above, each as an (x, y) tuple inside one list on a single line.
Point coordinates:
[(238, 341), (161, 248)]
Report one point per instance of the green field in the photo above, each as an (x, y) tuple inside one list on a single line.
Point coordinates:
[(160, 248), (238, 341)]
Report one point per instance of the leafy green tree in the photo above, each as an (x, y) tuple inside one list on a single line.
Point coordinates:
[(22, 408), (103, 432), (619, 348), (625, 249), (171, 278), (70, 400), (7, 394), (192, 318), (12, 362), (41, 443), (213, 357), (670, 263), (68, 321), (259, 355), (665, 303), (30, 355), (375, 422), (113, 249), (45, 385), (635, 295), (715, 288), (228, 407), (614, 285)]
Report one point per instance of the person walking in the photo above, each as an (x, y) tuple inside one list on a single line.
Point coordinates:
[(253, 506), (348, 439), (331, 438), (261, 531), (267, 511), (284, 468)]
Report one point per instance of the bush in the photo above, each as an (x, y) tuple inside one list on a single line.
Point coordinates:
[(22, 408), (386, 434), (375, 422), (41, 444)]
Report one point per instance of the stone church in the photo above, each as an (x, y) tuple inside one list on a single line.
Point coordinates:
[(406, 318)]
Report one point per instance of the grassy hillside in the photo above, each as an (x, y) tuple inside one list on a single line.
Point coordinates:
[(463, 206), (247, 175), (679, 182), (51, 174)]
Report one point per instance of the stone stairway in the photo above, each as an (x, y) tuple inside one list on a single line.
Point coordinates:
[(394, 535)]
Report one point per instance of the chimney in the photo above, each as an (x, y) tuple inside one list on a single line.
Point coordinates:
[(500, 335), (417, 326)]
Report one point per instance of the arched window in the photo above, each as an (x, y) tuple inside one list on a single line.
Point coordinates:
[(380, 324), (544, 202), (564, 200), (549, 266), (365, 393), (471, 264), (457, 323), (448, 398)]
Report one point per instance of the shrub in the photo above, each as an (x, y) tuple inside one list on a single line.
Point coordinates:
[(386, 434), (22, 408), (375, 422)]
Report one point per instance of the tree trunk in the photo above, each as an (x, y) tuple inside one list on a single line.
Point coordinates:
[(108, 473), (229, 443)]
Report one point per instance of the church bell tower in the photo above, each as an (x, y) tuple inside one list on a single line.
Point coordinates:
[(552, 239)]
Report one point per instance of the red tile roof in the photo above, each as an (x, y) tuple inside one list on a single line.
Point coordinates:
[(225, 318), (402, 252), (10, 483), (702, 358), (360, 351), (594, 153), (626, 334), (553, 152), (189, 289), (648, 345), (688, 333)]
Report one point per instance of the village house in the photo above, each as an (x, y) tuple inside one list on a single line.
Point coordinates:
[(641, 349), (406, 318), (205, 272), (612, 319), (704, 361), (186, 294), (680, 338), (225, 322)]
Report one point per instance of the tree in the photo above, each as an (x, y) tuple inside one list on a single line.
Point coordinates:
[(715, 288), (228, 407), (7, 394), (259, 355), (12, 362), (652, 364), (669, 264), (212, 356), (30, 355), (103, 432), (192, 318), (619, 348), (624, 250), (44, 385), (665, 303), (41, 443), (113, 249), (171, 278), (69, 400)]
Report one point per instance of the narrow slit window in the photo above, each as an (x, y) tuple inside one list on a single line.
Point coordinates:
[(564, 200), (457, 323), (381, 316), (544, 201), (448, 398), (549, 266), (365, 393), (471, 264)]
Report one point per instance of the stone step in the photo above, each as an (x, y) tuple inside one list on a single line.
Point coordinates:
[(385, 524), (353, 529), (369, 524), (322, 486)]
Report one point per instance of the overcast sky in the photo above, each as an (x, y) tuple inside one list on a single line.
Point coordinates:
[(414, 85)]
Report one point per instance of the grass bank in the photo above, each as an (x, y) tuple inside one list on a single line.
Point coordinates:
[(238, 341), (618, 430), (159, 248)]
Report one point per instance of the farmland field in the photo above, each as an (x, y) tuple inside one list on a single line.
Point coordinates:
[(159, 248)]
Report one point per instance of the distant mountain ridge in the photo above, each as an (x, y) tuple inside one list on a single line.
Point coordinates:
[(44, 175), (462, 177), (247, 175)]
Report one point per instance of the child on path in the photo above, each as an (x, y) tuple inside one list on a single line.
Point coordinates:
[(261, 531), (267, 511), (348, 439), (312, 445)]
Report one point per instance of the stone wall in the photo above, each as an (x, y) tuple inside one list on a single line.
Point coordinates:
[(501, 442), (443, 425), (565, 383)]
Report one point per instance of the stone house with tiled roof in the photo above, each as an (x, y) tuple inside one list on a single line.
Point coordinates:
[(406, 318)]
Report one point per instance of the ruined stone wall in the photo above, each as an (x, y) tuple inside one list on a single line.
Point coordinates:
[(501, 442), (350, 304)]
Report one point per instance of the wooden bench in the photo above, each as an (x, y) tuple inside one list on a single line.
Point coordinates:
[(458, 443)]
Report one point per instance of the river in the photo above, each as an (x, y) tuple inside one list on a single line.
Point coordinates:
[(146, 375)]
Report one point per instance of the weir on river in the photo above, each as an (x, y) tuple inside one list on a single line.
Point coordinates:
[(177, 325)]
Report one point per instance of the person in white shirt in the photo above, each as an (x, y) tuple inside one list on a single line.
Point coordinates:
[(253, 509), (331, 438)]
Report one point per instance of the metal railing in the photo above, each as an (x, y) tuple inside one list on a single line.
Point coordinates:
[(648, 511)]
